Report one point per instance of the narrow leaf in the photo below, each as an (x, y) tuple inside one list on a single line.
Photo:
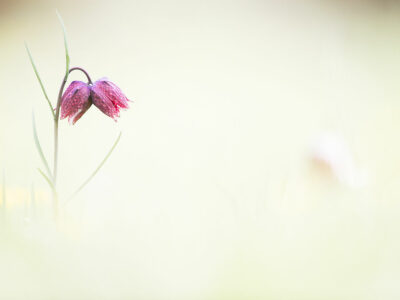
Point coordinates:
[(40, 81), (46, 178), (97, 169), (38, 147), (65, 41)]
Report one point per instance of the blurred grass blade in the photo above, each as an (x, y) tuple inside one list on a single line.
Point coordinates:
[(65, 42), (4, 199), (98, 168), (33, 201), (46, 178), (3, 194), (38, 147), (40, 81)]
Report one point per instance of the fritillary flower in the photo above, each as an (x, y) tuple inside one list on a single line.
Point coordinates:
[(75, 101), (107, 97), (104, 94)]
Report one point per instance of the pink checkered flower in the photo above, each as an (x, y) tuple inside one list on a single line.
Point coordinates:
[(75, 101), (104, 94), (107, 97)]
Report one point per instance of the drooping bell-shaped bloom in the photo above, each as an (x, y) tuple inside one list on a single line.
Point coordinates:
[(75, 101), (109, 98), (104, 94)]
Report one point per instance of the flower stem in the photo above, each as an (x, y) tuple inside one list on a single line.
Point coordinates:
[(56, 118), (55, 164), (82, 70)]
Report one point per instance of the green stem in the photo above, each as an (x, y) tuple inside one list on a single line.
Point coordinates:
[(56, 118), (55, 164)]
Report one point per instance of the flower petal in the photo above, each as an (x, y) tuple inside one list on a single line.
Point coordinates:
[(108, 98), (75, 101)]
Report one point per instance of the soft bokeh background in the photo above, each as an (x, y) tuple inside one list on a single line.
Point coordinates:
[(260, 159)]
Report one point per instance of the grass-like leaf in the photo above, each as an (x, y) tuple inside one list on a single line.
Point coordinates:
[(46, 178), (65, 42), (97, 169), (38, 147), (40, 80)]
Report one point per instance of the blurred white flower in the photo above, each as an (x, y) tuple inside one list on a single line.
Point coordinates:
[(330, 151)]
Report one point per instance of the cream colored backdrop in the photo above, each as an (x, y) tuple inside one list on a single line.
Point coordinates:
[(214, 191)]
